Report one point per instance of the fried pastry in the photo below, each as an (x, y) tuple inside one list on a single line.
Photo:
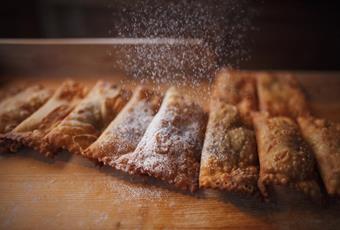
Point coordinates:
[(281, 95), (229, 157), (7, 91), (17, 108), (126, 130), (324, 138), (32, 130), (285, 158), (170, 149), (88, 119), (239, 89)]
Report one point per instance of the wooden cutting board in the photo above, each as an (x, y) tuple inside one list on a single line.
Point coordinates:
[(69, 192)]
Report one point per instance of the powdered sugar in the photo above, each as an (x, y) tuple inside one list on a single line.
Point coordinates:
[(126, 130), (188, 40), (130, 192), (170, 148)]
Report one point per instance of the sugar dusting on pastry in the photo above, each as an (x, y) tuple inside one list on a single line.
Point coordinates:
[(126, 130), (170, 148)]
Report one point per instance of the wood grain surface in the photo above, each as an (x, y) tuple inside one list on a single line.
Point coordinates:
[(69, 192)]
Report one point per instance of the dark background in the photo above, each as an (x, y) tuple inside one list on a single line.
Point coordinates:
[(274, 34)]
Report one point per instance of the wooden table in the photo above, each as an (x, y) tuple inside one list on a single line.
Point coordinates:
[(69, 192)]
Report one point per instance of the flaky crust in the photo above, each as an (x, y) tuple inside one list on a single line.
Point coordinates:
[(127, 129), (15, 109), (281, 95), (229, 157), (32, 130), (85, 123), (239, 89), (324, 138), (285, 158), (7, 91), (171, 146)]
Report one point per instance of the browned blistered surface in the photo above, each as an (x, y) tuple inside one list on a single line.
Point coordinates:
[(281, 95), (126, 130), (17, 108), (32, 130), (7, 91), (85, 123), (324, 138), (229, 157), (170, 149), (70, 192), (285, 158), (239, 89)]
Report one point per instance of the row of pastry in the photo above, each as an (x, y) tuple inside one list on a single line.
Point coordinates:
[(259, 133), (261, 136), (140, 133)]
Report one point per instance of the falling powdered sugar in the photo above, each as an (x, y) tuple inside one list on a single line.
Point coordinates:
[(180, 43)]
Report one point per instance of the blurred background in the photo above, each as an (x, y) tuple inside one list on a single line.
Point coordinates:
[(303, 35)]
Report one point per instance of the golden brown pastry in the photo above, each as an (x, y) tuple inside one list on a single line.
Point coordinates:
[(127, 129), (285, 158), (18, 107), (229, 157), (281, 95), (324, 138), (32, 130), (9, 89), (170, 149), (239, 89), (86, 122)]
